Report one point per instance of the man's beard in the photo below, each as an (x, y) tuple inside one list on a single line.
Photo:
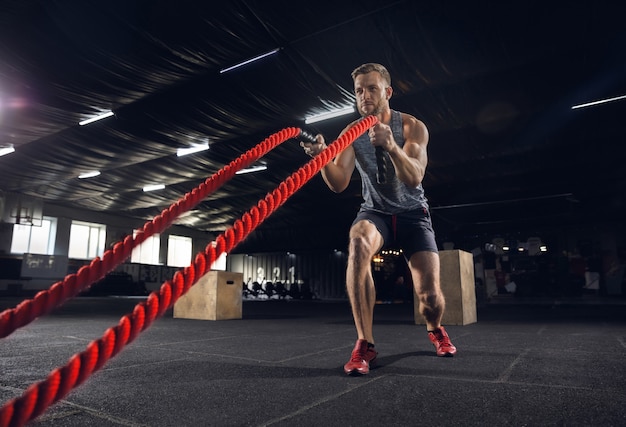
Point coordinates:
[(379, 108)]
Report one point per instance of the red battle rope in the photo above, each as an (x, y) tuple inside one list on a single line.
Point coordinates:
[(38, 397), (45, 301)]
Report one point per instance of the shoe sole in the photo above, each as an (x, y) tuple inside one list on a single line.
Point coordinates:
[(356, 373)]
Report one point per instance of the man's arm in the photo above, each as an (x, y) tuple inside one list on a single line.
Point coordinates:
[(337, 173), (410, 161)]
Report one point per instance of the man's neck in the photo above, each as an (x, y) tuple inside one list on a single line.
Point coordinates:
[(384, 116)]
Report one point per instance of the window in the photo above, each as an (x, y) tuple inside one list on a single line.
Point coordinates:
[(86, 240), (220, 262), (148, 251), (179, 249), (34, 240)]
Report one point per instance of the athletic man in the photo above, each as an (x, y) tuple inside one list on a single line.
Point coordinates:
[(394, 211)]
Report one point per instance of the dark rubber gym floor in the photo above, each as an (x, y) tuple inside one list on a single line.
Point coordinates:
[(555, 363)]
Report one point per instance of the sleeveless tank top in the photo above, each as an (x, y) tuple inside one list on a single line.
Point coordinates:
[(393, 196)]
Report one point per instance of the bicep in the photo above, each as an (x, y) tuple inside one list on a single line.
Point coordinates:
[(338, 173), (416, 141), (346, 160)]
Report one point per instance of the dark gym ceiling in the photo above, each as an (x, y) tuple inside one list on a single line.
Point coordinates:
[(493, 81)]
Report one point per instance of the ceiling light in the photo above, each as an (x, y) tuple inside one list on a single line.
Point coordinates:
[(256, 58), (89, 174), (154, 187), (602, 101), (193, 149), (257, 168), (329, 114), (6, 150), (96, 118)]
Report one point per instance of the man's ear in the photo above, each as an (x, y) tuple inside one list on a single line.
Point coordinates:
[(388, 92)]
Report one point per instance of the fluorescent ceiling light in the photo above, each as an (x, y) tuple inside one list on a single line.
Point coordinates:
[(329, 114), (256, 58), (257, 168), (96, 118), (89, 174), (6, 150), (154, 187), (602, 101), (193, 149)]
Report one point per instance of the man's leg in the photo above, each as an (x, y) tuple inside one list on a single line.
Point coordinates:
[(365, 241), (425, 273), (424, 268)]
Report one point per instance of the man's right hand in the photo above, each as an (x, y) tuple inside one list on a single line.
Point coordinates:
[(313, 149)]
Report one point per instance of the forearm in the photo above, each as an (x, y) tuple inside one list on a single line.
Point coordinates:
[(336, 173), (410, 171)]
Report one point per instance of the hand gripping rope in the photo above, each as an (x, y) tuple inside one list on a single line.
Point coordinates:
[(39, 396), (381, 159)]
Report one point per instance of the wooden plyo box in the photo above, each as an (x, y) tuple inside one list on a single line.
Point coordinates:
[(458, 287), (216, 296)]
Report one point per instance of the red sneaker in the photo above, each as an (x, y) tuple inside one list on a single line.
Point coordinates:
[(440, 339), (361, 358)]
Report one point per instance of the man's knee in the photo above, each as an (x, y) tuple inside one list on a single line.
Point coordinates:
[(360, 247), (365, 240), (431, 298)]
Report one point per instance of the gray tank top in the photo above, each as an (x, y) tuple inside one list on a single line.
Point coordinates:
[(394, 196)]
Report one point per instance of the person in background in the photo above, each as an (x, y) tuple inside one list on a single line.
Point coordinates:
[(394, 211)]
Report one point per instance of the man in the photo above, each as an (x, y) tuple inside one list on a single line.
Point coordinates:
[(393, 211)]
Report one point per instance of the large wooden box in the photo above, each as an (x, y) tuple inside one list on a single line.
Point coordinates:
[(216, 296), (458, 287)]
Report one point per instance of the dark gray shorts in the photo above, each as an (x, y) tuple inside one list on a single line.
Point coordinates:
[(410, 231)]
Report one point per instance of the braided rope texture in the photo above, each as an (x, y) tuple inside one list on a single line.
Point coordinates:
[(47, 300), (39, 396)]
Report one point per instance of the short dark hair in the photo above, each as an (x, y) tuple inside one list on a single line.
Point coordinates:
[(372, 66)]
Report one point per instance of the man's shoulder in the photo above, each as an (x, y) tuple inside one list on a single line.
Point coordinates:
[(409, 120), (406, 117)]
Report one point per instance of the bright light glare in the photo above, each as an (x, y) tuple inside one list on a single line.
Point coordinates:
[(251, 169), (154, 187), (89, 174), (6, 150), (96, 118), (602, 101), (256, 58), (328, 115), (193, 149)]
